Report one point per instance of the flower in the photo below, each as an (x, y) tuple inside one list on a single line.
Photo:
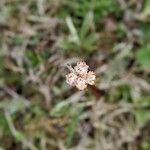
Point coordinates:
[(81, 68), (71, 79), (80, 77), (90, 79), (80, 83)]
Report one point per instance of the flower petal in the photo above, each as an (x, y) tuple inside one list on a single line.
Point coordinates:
[(90, 79), (81, 68), (71, 79), (81, 84)]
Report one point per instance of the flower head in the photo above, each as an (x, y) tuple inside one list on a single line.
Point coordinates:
[(81, 68), (90, 79), (80, 76), (81, 84), (71, 79)]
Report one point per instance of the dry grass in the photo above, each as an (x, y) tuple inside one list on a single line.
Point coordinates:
[(38, 110)]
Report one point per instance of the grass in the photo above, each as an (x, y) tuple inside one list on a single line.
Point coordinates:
[(38, 110)]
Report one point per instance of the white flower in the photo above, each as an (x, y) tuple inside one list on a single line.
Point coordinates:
[(80, 76), (90, 79), (81, 84), (81, 68), (71, 79)]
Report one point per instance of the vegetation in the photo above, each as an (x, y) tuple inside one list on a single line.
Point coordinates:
[(38, 110)]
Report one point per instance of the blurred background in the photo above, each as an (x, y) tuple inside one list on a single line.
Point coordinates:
[(38, 110)]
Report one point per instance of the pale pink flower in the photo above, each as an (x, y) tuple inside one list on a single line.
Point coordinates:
[(81, 68), (81, 84), (90, 79), (71, 79)]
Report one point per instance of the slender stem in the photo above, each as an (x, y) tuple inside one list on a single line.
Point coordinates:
[(96, 91)]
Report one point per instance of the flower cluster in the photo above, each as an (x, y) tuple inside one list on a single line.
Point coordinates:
[(79, 76)]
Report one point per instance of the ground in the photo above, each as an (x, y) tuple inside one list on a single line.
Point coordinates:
[(39, 110)]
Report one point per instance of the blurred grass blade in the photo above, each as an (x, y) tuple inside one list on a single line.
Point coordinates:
[(14, 132), (14, 105), (73, 31), (143, 57), (88, 23), (60, 109), (17, 134), (73, 125), (142, 116)]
